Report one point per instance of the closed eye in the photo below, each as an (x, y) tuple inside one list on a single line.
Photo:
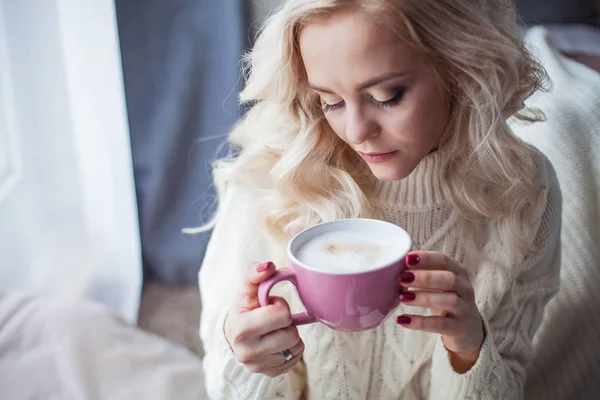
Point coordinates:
[(400, 92), (390, 102), (332, 107)]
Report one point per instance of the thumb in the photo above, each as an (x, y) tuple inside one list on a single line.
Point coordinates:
[(256, 274)]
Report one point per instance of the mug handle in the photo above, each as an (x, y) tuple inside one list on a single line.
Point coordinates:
[(284, 274)]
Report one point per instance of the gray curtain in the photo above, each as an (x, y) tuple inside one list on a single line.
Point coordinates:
[(182, 77), (542, 12)]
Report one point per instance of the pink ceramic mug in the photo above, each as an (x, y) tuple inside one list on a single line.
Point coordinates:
[(343, 301)]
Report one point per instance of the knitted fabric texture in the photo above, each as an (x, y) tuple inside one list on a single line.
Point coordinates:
[(567, 361), (390, 361)]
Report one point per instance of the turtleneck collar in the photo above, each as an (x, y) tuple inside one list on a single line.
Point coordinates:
[(422, 189)]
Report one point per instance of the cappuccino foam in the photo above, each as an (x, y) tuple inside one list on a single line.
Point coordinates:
[(347, 251)]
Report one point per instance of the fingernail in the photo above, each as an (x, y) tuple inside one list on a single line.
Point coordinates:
[(407, 277), (263, 267), (403, 320), (407, 296), (413, 259)]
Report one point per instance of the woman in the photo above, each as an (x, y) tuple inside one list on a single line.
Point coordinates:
[(393, 110)]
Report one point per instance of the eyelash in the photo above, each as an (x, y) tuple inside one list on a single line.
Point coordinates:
[(388, 103)]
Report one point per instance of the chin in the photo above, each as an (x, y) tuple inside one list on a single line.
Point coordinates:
[(389, 172)]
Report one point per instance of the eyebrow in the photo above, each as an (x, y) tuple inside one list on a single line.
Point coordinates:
[(365, 85)]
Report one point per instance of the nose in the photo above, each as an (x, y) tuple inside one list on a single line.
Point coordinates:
[(359, 127)]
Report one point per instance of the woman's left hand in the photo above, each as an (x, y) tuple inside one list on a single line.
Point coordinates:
[(442, 285)]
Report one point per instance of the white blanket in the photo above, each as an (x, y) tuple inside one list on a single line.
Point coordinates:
[(58, 349), (567, 345)]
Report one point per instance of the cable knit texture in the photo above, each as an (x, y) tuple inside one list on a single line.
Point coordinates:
[(567, 361), (389, 362)]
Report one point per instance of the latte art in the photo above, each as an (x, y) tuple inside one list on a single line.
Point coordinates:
[(346, 251), (365, 248)]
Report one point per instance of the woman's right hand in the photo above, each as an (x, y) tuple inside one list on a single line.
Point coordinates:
[(257, 335)]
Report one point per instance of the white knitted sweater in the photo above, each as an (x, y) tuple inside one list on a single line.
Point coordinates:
[(388, 362), (567, 361)]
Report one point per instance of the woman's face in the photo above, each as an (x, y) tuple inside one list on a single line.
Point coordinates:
[(378, 94)]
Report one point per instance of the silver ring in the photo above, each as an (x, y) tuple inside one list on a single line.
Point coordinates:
[(287, 354)]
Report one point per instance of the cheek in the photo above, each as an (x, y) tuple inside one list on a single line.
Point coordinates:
[(425, 121), (438, 120)]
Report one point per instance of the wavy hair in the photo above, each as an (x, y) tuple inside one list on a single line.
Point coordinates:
[(313, 176)]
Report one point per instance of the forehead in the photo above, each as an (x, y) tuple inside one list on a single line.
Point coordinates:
[(352, 46)]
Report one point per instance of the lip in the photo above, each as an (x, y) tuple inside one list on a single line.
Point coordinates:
[(376, 158)]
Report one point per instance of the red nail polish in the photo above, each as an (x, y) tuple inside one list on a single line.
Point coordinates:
[(408, 296), (403, 320), (413, 259), (407, 277), (263, 267)]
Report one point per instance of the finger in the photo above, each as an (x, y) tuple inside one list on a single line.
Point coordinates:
[(279, 359), (255, 275), (447, 301), (272, 366), (270, 318), (433, 324), (431, 260), (285, 367), (440, 280), (298, 348), (278, 341)]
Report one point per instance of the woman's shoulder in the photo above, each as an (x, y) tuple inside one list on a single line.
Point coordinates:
[(240, 202), (237, 225), (238, 192)]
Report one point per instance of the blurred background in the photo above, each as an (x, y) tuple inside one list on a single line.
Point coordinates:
[(111, 113), (110, 116)]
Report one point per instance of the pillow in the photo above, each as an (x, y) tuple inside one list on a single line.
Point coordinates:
[(62, 349)]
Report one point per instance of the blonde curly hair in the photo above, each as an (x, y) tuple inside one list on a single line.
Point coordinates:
[(313, 176)]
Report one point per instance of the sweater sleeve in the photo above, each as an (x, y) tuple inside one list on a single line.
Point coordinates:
[(499, 372), (235, 243)]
